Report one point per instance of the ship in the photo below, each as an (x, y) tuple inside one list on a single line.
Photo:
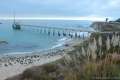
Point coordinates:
[(16, 25)]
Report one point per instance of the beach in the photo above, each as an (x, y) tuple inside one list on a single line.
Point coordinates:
[(14, 64)]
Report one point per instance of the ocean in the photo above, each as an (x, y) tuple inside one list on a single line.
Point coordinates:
[(29, 40)]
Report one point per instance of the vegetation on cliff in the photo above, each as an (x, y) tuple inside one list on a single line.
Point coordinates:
[(118, 20)]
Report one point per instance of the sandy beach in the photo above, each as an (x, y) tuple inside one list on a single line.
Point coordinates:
[(16, 64)]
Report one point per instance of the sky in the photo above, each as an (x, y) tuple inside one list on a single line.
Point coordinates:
[(70, 9)]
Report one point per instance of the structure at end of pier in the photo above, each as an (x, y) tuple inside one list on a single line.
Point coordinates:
[(16, 26)]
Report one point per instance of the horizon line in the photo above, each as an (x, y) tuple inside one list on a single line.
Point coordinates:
[(89, 18)]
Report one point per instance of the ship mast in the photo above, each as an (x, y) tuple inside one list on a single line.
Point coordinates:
[(14, 17)]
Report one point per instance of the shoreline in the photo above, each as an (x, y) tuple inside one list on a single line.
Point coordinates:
[(59, 44), (11, 65)]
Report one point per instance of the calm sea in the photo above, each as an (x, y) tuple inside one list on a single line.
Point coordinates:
[(27, 39)]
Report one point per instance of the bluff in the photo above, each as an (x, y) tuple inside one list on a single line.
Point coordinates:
[(106, 26)]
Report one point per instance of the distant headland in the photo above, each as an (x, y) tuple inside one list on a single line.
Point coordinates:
[(107, 26)]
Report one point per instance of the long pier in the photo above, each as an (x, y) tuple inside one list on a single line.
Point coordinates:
[(58, 28), (66, 32)]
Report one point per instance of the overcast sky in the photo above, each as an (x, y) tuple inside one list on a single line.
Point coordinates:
[(60, 8)]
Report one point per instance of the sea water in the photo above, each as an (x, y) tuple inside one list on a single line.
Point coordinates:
[(28, 40)]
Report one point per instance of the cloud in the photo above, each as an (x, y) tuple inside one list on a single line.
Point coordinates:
[(65, 8), (114, 3)]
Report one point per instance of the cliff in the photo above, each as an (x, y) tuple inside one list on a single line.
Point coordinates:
[(106, 26)]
